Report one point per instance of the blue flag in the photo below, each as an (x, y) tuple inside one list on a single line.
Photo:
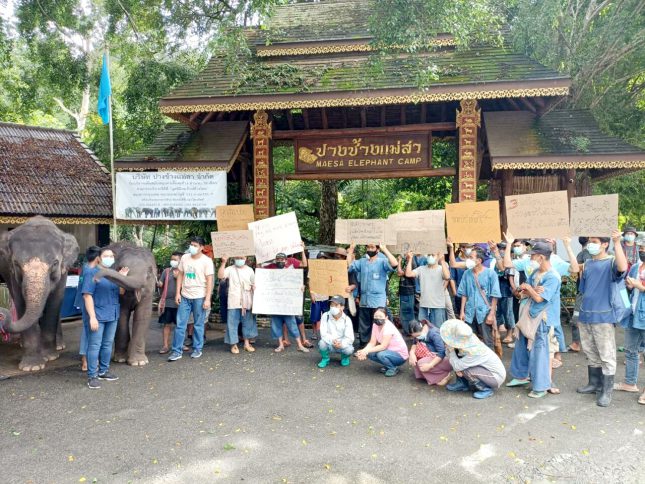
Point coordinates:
[(105, 91)]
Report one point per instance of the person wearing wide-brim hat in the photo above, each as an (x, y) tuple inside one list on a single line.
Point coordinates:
[(477, 367), (629, 244), (336, 333)]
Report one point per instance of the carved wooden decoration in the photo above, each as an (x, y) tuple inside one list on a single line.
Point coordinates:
[(468, 123), (261, 132)]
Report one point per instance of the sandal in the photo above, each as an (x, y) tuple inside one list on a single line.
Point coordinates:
[(517, 383), (286, 343), (164, 350), (572, 349), (307, 344), (534, 394), (249, 348), (507, 341), (641, 399), (279, 349), (556, 363), (554, 391), (235, 350), (303, 349), (624, 387)]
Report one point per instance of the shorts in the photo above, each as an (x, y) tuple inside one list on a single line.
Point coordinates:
[(169, 316), (317, 310)]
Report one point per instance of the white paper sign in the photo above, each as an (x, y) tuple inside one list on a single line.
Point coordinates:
[(170, 195), (274, 235), (278, 292), (413, 221)]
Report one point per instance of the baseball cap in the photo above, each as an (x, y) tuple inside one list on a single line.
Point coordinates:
[(338, 300), (541, 248)]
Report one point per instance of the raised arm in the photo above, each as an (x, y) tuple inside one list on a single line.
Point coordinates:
[(508, 262), (408, 266), (222, 267), (621, 260), (391, 259), (304, 262), (574, 267), (350, 254)]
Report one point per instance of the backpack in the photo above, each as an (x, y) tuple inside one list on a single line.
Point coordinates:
[(619, 299)]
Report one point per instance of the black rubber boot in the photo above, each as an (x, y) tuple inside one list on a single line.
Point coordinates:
[(604, 397), (595, 381)]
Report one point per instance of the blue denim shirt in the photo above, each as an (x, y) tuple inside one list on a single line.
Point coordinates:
[(106, 298), (638, 300), (551, 283), (372, 279), (475, 305), (86, 272)]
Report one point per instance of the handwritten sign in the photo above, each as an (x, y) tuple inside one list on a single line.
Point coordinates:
[(538, 215), (274, 235), (360, 231), (473, 221), (364, 153), (233, 217), (421, 242), (233, 243), (594, 216), (413, 221), (278, 291), (328, 277)]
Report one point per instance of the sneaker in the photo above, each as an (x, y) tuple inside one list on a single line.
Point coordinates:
[(196, 354), (93, 383), (174, 357), (481, 394), (391, 372), (459, 386), (107, 376)]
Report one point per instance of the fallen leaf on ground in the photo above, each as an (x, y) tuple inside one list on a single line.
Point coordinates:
[(229, 447), (70, 458)]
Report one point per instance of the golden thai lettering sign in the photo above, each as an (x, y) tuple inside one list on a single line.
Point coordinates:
[(370, 153)]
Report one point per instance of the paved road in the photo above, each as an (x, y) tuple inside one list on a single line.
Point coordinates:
[(271, 417)]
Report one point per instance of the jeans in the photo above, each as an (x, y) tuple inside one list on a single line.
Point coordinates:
[(99, 348), (505, 312), (534, 363), (406, 303), (276, 326), (634, 338), (187, 306), (389, 359), (436, 316), (345, 350), (249, 326)]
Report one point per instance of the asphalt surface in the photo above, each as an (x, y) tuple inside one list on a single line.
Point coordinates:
[(267, 417)]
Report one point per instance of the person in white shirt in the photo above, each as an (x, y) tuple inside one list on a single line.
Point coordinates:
[(336, 333)]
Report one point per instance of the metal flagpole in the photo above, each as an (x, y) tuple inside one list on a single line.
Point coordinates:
[(114, 225)]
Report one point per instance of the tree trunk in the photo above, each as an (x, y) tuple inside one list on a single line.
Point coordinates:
[(328, 212)]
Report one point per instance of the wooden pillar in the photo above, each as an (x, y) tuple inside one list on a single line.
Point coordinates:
[(261, 133), (243, 167), (507, 190), (468, 123), (571, 185)]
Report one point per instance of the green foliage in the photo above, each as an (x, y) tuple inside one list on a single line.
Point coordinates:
[(631, 202)]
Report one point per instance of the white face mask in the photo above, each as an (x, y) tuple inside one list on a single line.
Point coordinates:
[(107, 261), (431, 260), (470, 264), (192, 250), (535, 265), (630, 238), (174, 264), (593, 248), (334, 311)]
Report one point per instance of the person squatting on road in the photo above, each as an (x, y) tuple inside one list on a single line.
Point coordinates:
[(386, 345), (336, 333), (428, 354)]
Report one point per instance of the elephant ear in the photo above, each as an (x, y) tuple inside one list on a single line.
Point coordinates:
[(70, 250)]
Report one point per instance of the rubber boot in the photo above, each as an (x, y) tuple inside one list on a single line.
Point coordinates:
[(344, 360), (595, 381), (604, 397), (325, 359)]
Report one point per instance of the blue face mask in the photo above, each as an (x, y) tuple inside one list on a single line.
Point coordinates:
[(239, 262), (630, 238), (518, 250), (593, 249), (107, 261), (192, 250), (535, 265), (432, 260)]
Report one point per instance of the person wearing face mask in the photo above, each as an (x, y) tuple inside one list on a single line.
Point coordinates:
[(241, 283), (336, 333), (519, 251), (597, 321), (630, 248), (193, 295), (505, 316), (428, 354), (101, 298), (89, 269), (167, 304), (635, 325), (432, 277), (386, 346), (540, 312), (479, 292), (372, 273)]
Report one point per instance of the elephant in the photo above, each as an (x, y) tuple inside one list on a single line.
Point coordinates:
[(203, 212), (140, 284), (178, 213), (147, 212), (157, 213), (34, 259)]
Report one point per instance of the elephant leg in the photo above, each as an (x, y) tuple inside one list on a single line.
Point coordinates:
[(140, 324), (122, 337), (50, 323), (32, 359)]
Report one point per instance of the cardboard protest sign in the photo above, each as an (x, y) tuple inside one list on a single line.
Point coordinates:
[(594, 216), (274, 235), (421, 242), (328, 277), (360, 231), (278, 291), (538, 215), (233, 243), (233, 217), (473, 221), (413, 221)]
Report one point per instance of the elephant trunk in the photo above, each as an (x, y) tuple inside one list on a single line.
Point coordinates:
[(129, 283), (35, 284)]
